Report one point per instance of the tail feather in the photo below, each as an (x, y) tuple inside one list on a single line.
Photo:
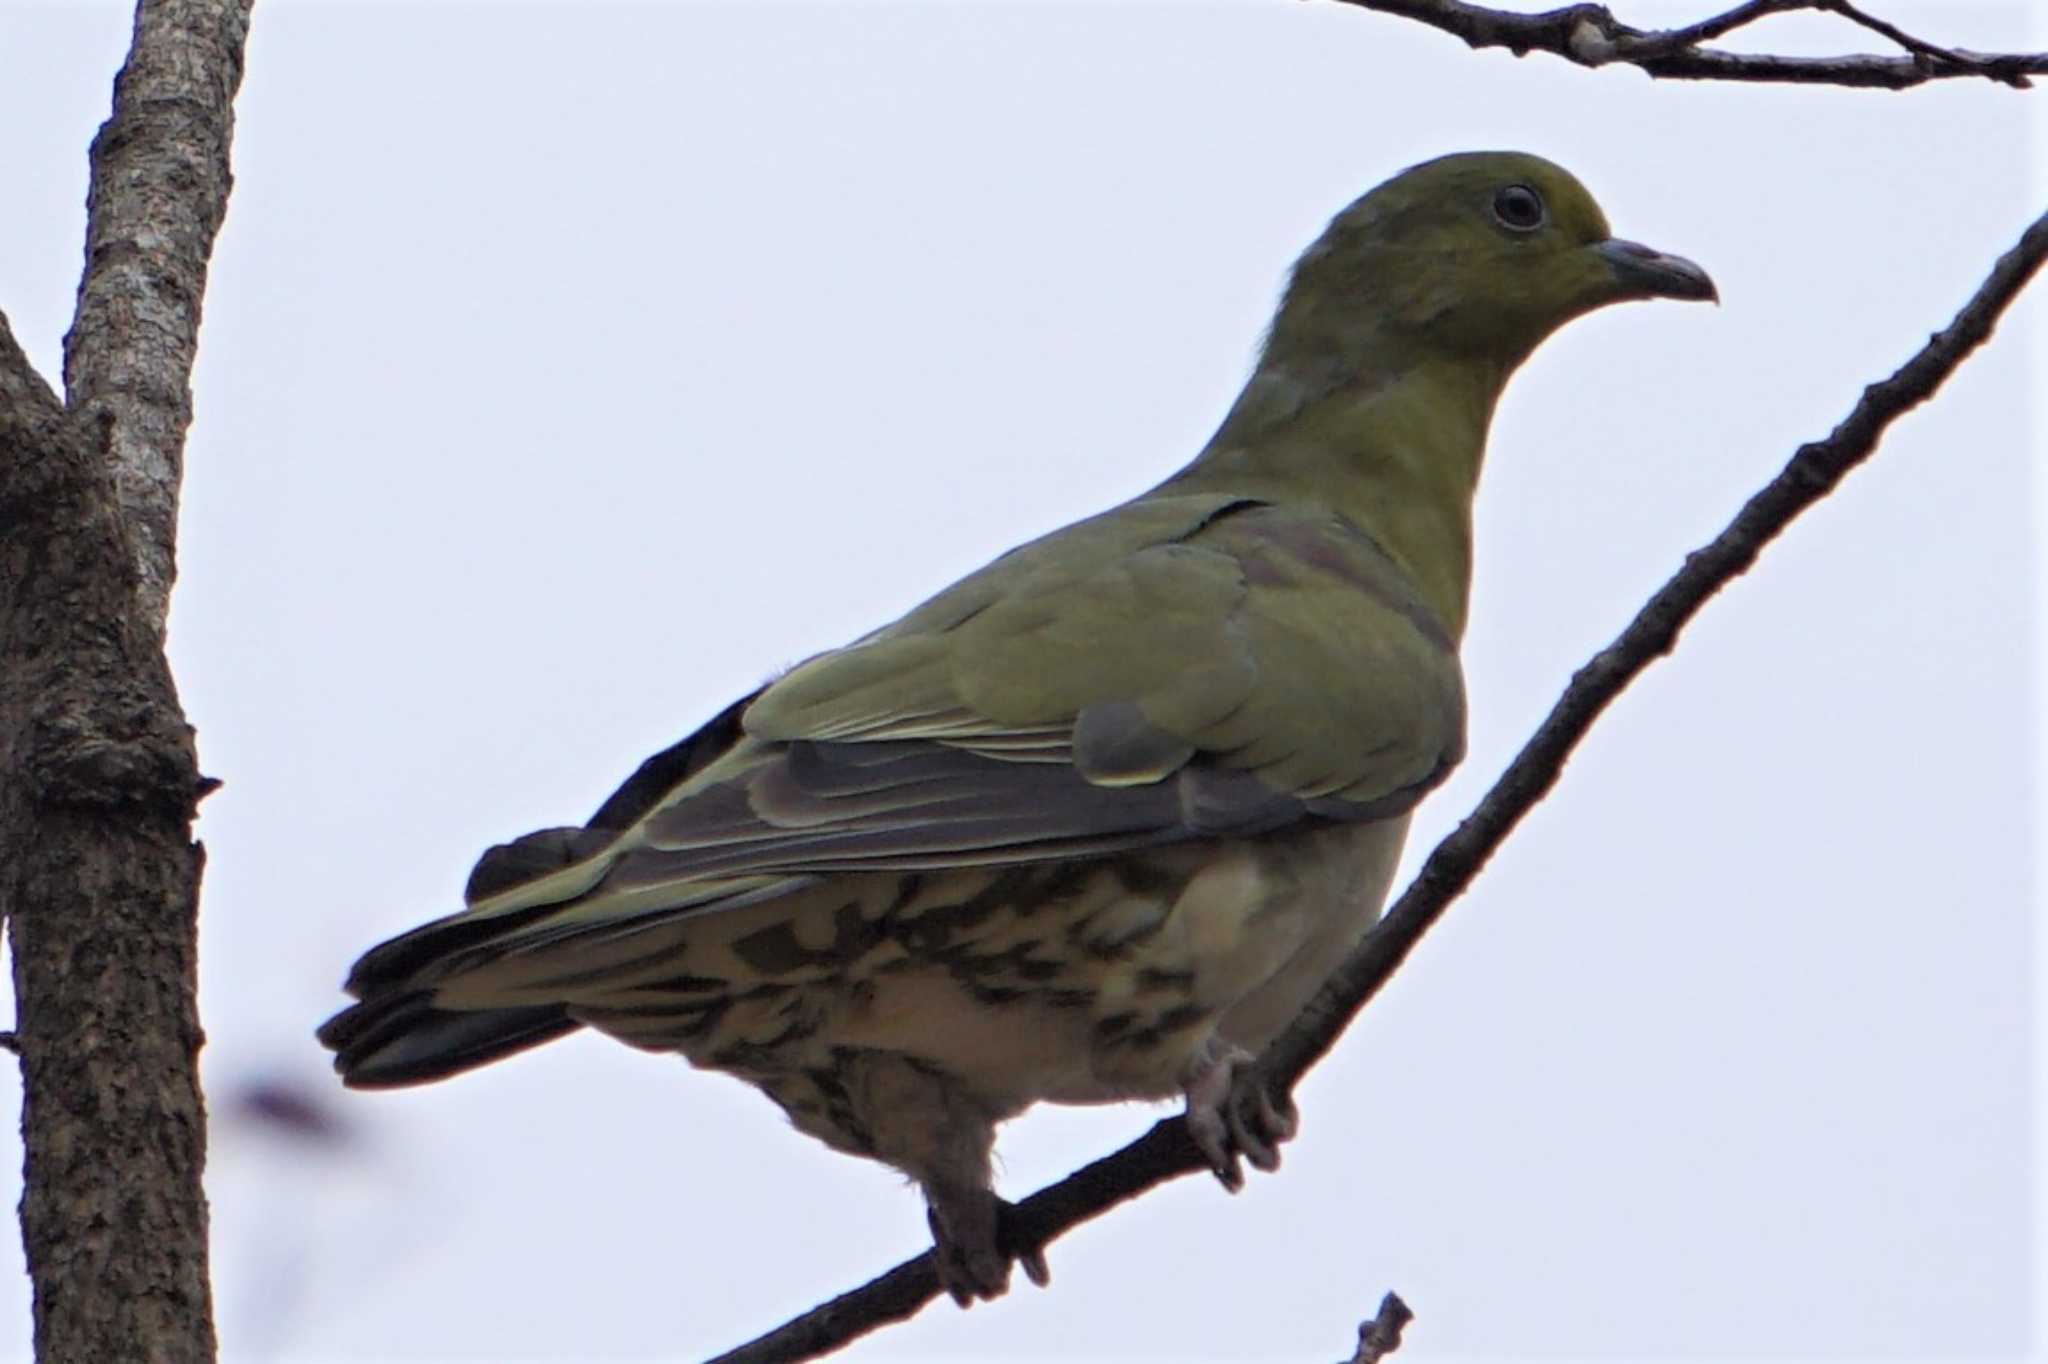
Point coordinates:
[(402, 1039), (406, 961), (398, 1034)]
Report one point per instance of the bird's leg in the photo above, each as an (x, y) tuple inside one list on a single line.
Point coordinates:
[(1230, 1114), (970, 1249), (928, 1124), (965, 1250)]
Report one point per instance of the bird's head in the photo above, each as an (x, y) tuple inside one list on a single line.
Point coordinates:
[(1481, 254)]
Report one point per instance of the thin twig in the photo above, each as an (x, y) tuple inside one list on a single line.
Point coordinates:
[(1165, 1152), (1381, 1336), (1718, 26), (1892, 31), (1590, 35)]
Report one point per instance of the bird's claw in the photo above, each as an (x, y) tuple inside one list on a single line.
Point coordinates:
[(1231, 1115), (1035, 1267), (974, 1242)]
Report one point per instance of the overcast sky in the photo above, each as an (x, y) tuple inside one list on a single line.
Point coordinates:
[(568, 369)]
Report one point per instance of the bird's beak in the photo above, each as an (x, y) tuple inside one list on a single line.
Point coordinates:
[(1645, 272)]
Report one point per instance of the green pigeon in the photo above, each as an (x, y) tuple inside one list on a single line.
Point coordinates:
[(1094, 822)]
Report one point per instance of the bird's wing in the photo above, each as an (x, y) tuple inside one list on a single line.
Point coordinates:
[(1275, 644), (1179, 668)]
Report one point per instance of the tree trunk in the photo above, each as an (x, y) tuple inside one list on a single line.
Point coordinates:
[(99, 779)]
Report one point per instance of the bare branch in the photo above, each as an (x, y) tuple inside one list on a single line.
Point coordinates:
[(1165, 1152), (1719, 25), (1589, 35), (1381, 1336), (1891, 31)]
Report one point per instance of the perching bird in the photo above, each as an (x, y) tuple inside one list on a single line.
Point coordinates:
[(1092, 823)]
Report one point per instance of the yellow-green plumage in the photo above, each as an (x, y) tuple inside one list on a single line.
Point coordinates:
[(1096, 819)]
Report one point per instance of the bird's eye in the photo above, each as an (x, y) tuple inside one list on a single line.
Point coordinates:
[(1518, 208)]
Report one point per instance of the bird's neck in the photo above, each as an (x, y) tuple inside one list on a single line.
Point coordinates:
[(1398, 456)]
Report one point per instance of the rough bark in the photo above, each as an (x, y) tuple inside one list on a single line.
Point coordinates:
[(99, 778)]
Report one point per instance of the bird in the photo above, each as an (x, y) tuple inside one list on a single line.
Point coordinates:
[(1093, 823)]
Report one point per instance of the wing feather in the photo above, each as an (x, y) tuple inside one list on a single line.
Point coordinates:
[(1181, 668)]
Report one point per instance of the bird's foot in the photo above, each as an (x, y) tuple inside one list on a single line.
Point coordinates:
[(974, 1244), (1231, 1115)]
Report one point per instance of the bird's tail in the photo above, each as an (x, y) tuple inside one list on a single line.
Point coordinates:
[(400, 1038), (398, 1034), (523, 898)]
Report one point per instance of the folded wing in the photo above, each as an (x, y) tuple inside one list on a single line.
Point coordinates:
[(1180, 668)]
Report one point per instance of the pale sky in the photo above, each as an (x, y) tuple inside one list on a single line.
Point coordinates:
[(568, 369)]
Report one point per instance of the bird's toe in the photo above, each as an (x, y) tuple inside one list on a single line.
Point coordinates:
[(1232, 1118), (974, 1246)]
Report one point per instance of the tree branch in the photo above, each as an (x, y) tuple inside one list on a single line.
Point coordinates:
[(1589, 35), (25, 400), (159, 190), (1381, 1336), (99, 782), (1165, 1152)]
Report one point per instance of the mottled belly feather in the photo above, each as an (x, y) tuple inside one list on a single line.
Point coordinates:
[(1069, 982)]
